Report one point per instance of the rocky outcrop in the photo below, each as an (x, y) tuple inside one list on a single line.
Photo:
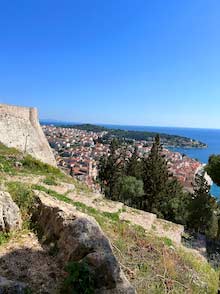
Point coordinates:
[(20, 128), (78, 238), (12, 287), (10, 218), (148, 221), (172, 231)]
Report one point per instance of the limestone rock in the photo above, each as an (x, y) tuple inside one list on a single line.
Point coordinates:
[(80, 238), (138, 217), (10, 218), (12, 287), (20, 128), (164, 228)]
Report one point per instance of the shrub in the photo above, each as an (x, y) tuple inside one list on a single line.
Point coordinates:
[(130, 190), (79, 279)]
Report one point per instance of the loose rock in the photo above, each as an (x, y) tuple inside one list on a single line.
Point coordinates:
[(10, 218)]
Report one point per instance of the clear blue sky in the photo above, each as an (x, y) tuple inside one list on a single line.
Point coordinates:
[(134, 62)]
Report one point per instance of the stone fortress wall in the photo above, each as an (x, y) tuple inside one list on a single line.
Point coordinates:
[(20, 128)]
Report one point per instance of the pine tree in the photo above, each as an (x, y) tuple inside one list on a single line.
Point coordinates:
[(213, 170), (155, 177), (134, 165), (111, 169), (201, 207), (174, 202)]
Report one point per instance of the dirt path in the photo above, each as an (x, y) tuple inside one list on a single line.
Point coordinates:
[(24, 259)]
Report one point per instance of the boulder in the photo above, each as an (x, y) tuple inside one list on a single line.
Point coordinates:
[(10, 218), (78, 238), (12, 287)]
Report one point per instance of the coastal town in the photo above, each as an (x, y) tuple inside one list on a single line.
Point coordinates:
[(78, 153)]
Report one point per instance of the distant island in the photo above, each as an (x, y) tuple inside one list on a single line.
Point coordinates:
[(129, 136)]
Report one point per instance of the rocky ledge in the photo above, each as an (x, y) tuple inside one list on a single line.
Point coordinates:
[(79, 238)]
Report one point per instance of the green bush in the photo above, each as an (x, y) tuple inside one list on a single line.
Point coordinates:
[(79, 279), (130, 190)]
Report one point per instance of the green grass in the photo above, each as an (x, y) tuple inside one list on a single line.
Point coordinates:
[(204, 272), (23, 196), (50, 180), (79, 205), (112, 215), (8, 157), (58, 196), (167, 242), (35, 166), (4, 238), (81, 187), (6, 151)]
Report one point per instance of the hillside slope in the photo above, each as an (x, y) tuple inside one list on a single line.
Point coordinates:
[(147, 250)]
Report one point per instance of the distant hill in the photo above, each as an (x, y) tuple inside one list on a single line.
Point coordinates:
[(128, 135)]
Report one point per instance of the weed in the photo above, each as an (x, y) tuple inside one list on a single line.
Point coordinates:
[(114, 216), (79, 279), (4, 237), (167, 242), (35, 165), (23, 196), (50, 180), (153, 227)]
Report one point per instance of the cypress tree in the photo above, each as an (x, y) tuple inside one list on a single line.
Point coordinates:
[(155, 176)]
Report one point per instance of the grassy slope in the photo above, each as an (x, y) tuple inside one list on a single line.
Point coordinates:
[(152, 264)]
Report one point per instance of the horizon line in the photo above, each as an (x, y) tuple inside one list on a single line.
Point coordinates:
[(125, 125)]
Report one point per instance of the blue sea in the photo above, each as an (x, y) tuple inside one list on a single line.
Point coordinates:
[(209, 136)]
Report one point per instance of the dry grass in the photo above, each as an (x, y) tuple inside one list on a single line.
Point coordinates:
[(154, 267)]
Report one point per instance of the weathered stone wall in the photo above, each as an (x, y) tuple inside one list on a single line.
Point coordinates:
[(20, 128)]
